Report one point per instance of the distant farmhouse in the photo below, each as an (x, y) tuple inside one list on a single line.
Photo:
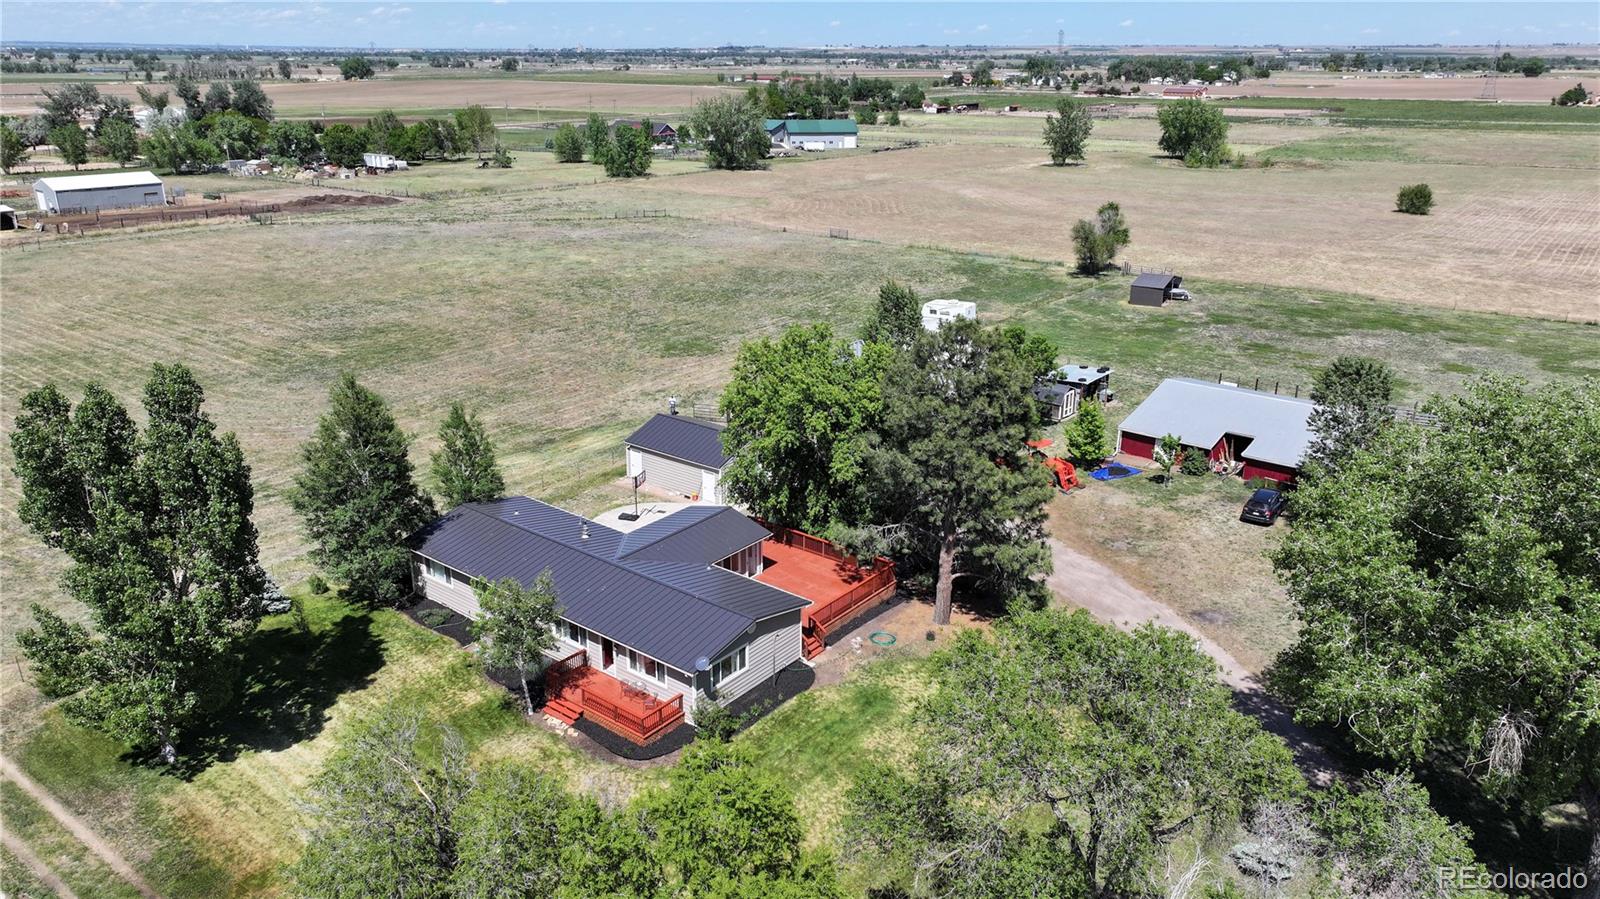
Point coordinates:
[(1186, 92), (92, 193), (814, 134), (660, 132)]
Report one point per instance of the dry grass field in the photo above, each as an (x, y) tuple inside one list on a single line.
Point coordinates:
[(366, 97), (1519, 235), (1512, 88)]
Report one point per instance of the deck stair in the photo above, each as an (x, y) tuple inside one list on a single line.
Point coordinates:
[(562, 711)]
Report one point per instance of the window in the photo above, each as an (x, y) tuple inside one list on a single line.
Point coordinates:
[(728, 666), (655, 669), (577, 634), (436, 571), (633, 659)]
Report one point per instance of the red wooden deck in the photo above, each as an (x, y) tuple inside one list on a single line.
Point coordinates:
[(574, 690), (838, 587)]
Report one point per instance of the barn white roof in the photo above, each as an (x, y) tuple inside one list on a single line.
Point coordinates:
[(1200, 412), (100, 182)]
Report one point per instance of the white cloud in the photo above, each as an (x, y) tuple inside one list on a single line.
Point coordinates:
[(834, 24), (1369, 31), (1126, 23), (983, 28)]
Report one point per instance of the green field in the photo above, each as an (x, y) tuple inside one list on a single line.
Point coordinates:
[(565, 311)]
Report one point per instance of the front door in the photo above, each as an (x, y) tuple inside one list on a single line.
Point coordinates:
[(607, 649)]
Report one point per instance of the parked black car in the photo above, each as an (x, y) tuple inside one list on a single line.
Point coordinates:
[(1264, 506)]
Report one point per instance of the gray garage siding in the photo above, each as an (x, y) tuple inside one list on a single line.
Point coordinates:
[(671, 475), (774, 647), (456, 595)]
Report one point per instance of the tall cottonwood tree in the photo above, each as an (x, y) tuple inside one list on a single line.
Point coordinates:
[(464, 465), (157, 525), (1448, 584), (1066, 132), (952, 483), (802, 410), (356, 495)]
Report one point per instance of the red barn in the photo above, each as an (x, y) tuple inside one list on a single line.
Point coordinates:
[(1264, 433)]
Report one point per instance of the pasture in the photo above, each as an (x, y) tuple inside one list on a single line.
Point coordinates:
[(546, 302)]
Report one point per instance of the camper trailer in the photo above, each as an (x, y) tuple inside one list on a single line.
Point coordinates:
[(937, 312)]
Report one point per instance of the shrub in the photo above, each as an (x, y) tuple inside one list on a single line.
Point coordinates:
[(1195, 463), (433, 617), (568, 144), (1572, 96), (317, 585), (501, 158), (1192, 128), (1414, 199)]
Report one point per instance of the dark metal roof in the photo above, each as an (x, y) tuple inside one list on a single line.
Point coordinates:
[(675, 611), (705, 534), (1158, 280), (680, 437), (1051, 392)]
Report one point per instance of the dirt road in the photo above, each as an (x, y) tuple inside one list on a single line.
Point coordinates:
[(36, 866), (1090, 585), (76, 826)]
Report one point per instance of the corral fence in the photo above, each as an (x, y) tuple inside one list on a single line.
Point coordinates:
[(1412, 414), (133, 218)]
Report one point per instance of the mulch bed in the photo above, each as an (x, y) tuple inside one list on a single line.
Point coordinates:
[(838, 631), (457, 627)]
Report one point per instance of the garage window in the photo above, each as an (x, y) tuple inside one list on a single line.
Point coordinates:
[(437, 572), (728, 666)]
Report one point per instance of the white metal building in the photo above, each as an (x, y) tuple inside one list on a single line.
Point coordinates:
[(90, 193)]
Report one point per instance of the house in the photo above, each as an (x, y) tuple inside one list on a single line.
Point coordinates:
[(814, 134), (937, 312), (1186, 92), (1153, 288), (1062, 392), (932, 107), (1261, 435), (701, 605), (8, 218), (660, 132), (678, 455), (91, 193)]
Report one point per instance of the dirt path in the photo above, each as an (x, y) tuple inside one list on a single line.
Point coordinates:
[(76, 826), (1090, 585), (36, 865)]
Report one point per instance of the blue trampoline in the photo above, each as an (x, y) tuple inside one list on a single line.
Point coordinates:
[(1114, 472)]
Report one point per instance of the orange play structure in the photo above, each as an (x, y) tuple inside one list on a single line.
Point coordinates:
[(1062, 472)]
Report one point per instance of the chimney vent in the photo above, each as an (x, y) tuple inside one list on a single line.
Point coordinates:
[(584, 535)]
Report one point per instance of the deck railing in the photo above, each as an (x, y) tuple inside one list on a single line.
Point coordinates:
[(877, 578), (643, 722), (560, 669)]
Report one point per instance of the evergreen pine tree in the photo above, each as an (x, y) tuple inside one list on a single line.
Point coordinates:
[(464, 465)]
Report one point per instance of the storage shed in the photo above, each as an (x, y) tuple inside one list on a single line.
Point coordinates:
[(1062, 393), (1152, 288), (680, 455), (91, 193), (8, 218), (1265, 434)]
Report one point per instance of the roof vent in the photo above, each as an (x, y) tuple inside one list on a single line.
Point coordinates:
[(1104, 368), (584, 534)]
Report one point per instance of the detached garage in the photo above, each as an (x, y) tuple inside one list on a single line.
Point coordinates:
[(1258, 435), (679, 455), (1153, 289), (92, 193)]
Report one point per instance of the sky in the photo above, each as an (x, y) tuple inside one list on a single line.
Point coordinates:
[(414, 24)]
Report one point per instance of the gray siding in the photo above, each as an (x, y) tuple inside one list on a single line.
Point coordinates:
[(674, 686), (455, 595), (99, 198), (774, 647), (671, 475)]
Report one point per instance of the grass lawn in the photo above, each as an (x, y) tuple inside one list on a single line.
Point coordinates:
[(226, 826), (77, 867)]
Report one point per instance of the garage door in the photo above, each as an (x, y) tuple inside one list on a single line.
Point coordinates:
[(671, 475)]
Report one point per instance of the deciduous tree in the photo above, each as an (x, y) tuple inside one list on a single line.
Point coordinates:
[(1167, 454), (1414, 199), (72, 144), (801, 414), (1097, 241), (157, 526), (179, 148), (1447, 581), (730, 129), (464, 465), (1193, 131), (516, 626), (382, 811), (597, 138), (344, 144), (294, 140), (250, 100), (355, 68), (953, 488), (1063, 752), (476, 128), (1066, 132), (119, 141), (13, 149), (629, 155), (356, 495)]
